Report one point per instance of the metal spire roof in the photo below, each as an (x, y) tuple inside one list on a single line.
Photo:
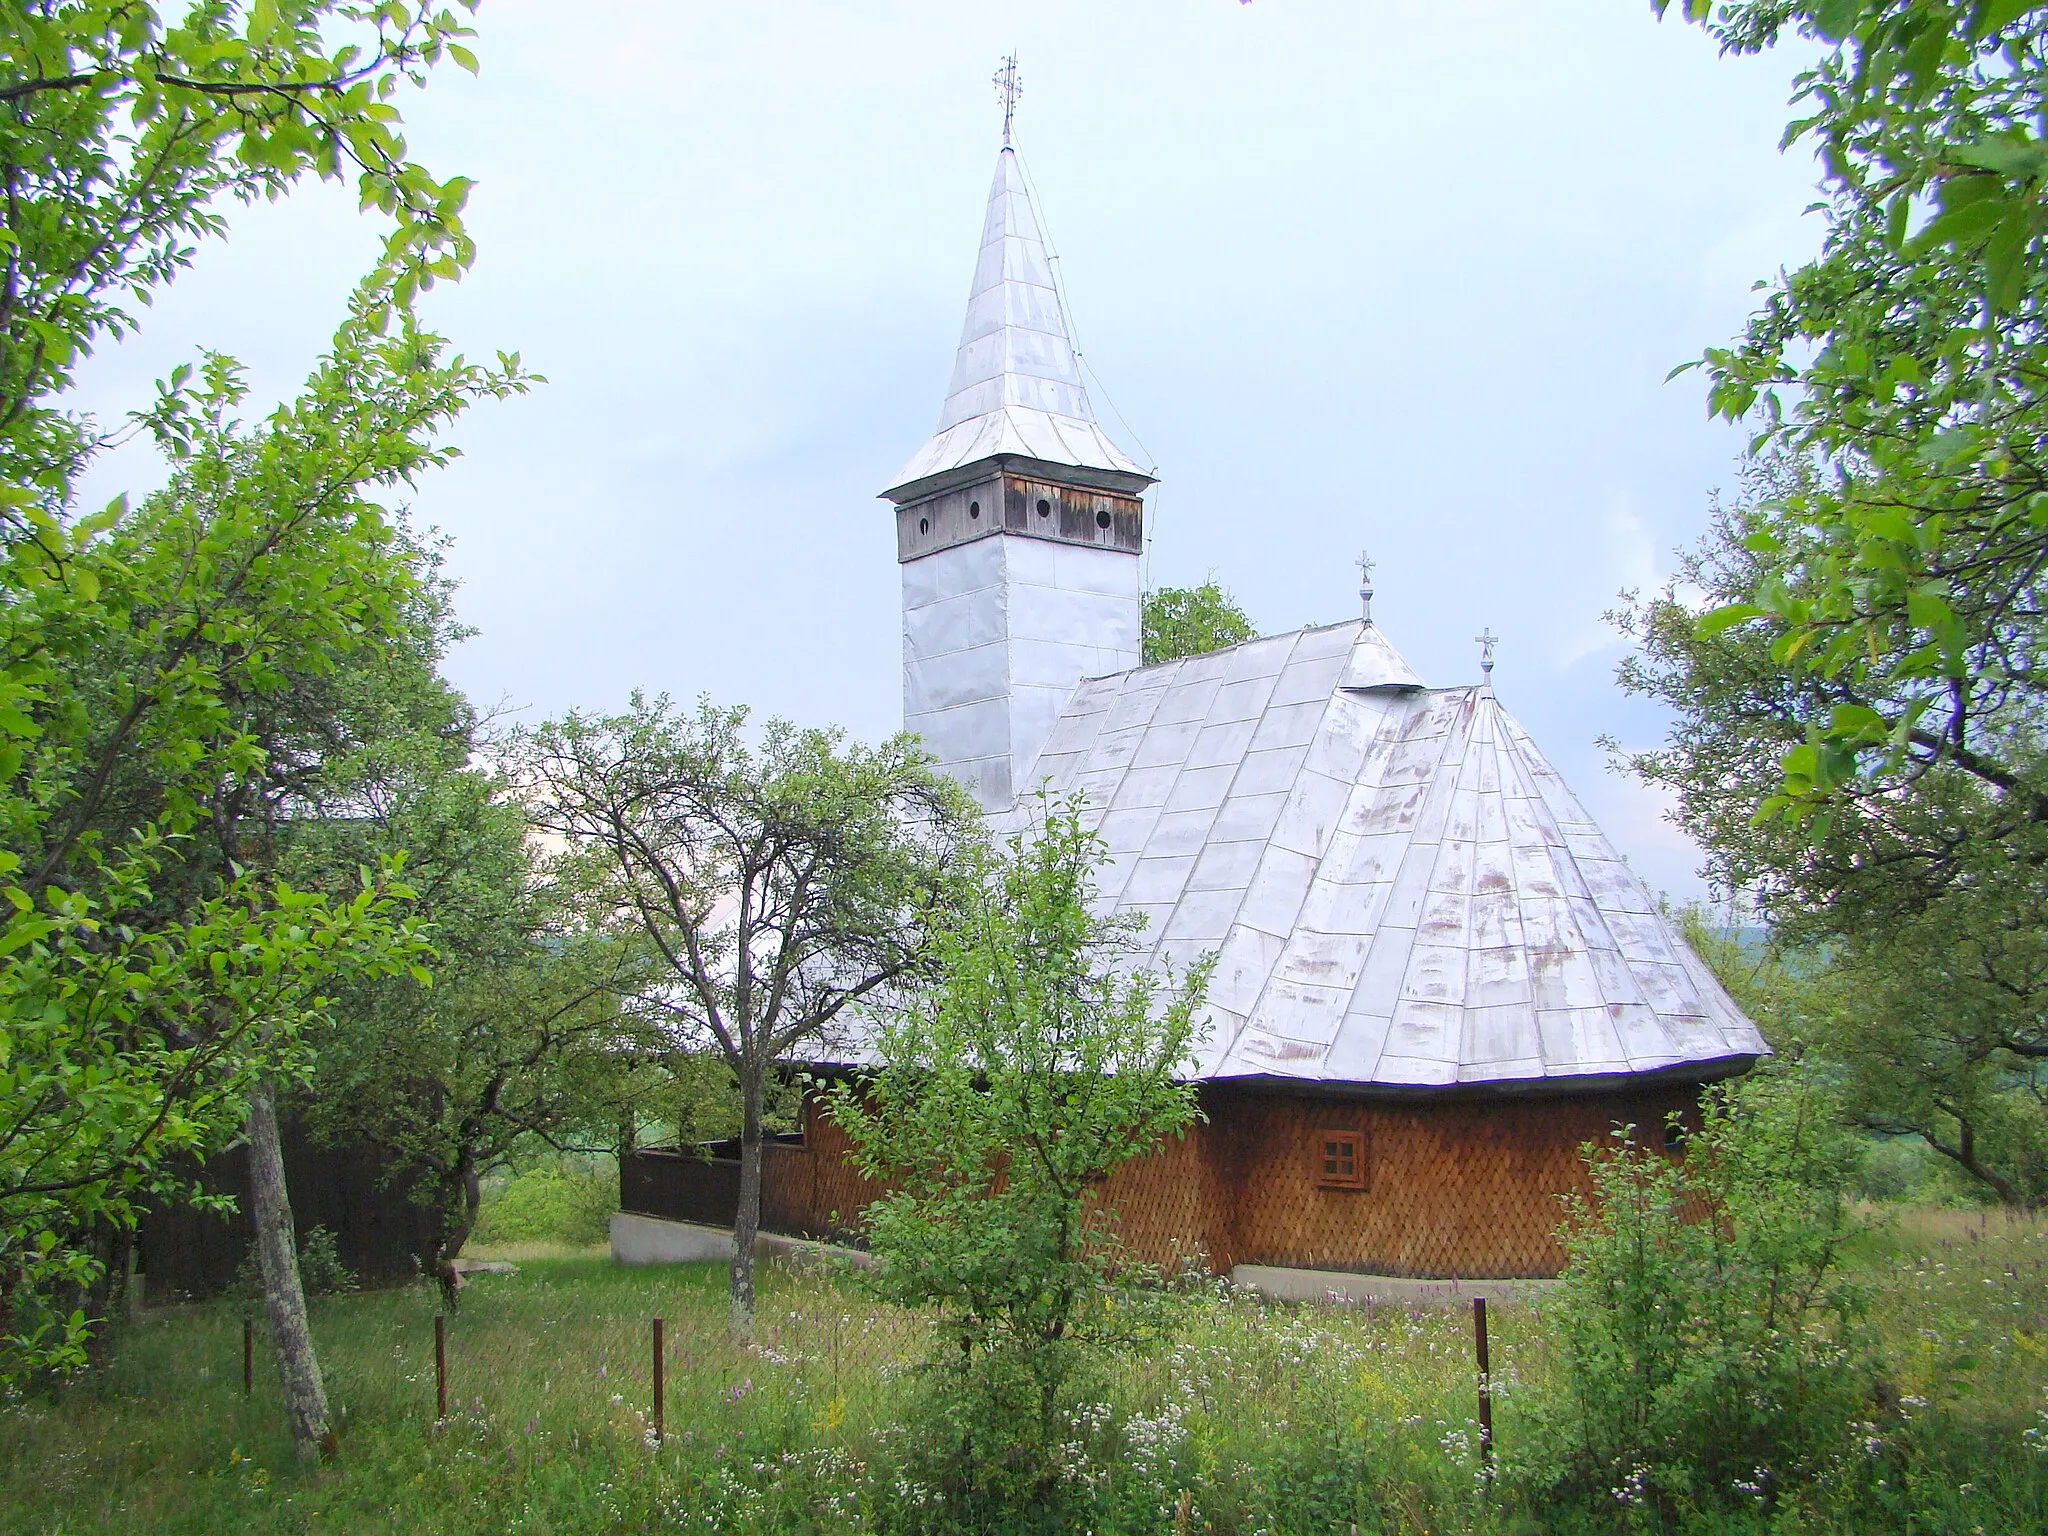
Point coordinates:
[(1402, 892), (1016, 386)]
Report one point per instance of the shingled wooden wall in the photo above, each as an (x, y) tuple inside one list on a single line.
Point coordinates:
[(1465, 1187), (1453, 1186)]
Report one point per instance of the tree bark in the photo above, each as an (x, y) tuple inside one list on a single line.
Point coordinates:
[(1964, 1155), (455, 1229), (284, 1299), (746, 1222)]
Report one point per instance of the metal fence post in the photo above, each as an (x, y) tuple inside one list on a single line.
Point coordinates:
[(1485, 1383), (659, 1395), (440, 1366)]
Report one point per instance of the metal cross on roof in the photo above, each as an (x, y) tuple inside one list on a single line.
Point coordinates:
[(1487, 640), (1008, 89), (1365, 566)]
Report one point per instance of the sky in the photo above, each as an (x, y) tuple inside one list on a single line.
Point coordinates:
[(1402, 275)]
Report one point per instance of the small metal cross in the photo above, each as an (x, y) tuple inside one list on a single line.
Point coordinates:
[(1365, 568), (1008, 89), (1487, 640)]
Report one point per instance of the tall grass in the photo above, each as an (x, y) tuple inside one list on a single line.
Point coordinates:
[(1253, 1416)]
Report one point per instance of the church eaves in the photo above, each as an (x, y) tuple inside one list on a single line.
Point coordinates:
[(1402, 893), (1016, 389)]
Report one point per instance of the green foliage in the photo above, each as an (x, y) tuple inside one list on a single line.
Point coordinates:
[(1938, 1023), (1186, 621), (562, 1202), (129, 127), (163, 666), (1862, 682), (1712, 1352), (1906, 364), (1906, 938), (152, 741), (1902, 1170), (523, 1038), (1036, 1068)]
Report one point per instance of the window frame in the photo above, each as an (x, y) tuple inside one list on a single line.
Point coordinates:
[(1325, 1178)]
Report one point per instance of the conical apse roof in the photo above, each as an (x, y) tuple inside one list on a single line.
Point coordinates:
[(1016, 386), (1401, 890)]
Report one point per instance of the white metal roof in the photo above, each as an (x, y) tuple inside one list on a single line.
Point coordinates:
[(1016, 385), (1401, 890)]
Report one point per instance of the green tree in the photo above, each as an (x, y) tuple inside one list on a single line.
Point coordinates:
[(781, 878), (1039, 1063), (126, 132), (1905, 936), (1904, 367), (1186, 621), (522, 1039), (1941, 1021), (1863, 677), (159, 973), (140, 802)]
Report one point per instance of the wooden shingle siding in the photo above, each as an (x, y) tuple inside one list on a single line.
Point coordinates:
[(1452, 1187)]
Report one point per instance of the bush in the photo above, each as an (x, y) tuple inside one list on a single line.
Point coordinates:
[(550, 1204), (1008, 1095), (1711, 1355), (321, 1272)]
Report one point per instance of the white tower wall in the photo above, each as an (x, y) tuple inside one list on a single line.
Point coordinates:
[(996, 633)]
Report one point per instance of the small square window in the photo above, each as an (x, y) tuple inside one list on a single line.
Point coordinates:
[(1340, 1160)]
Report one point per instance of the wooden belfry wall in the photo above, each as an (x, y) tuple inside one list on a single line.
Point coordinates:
[(1450, 1186)]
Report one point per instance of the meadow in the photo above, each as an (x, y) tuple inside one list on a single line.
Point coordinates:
[(1249, 1416)]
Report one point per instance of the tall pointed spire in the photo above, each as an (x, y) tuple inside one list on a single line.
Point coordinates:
[(1016, 388), (1019, 526)]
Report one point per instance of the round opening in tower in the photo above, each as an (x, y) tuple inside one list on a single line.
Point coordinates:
[(924, 525), (974, 509), (1044, 507), (1101, 519)]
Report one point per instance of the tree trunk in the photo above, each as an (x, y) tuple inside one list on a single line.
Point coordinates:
[(746, 1222), (284, 1299), (1964, 1155), (455, 1229)]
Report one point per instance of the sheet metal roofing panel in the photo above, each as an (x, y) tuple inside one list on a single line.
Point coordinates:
[(1016, 386), (1401, 890)]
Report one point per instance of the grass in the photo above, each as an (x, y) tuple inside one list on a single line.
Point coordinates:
[(1253, 1416)]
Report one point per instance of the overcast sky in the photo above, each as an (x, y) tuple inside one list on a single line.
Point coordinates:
[(1404, 274)]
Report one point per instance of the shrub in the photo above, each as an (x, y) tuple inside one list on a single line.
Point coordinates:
[(1711, 1355), (549, 1204), (1008, 1096), (321, 1272)]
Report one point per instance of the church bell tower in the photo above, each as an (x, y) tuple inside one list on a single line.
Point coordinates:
[(1018, 526)]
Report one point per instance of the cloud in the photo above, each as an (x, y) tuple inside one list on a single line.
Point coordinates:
[(1629, 564)]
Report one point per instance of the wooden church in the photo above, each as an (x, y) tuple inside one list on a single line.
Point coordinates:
[(1436, 979)]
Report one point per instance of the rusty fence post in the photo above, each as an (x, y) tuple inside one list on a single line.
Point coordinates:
[(440, 1366), (1485, 1384), (248, 1355), (659, 1394)]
